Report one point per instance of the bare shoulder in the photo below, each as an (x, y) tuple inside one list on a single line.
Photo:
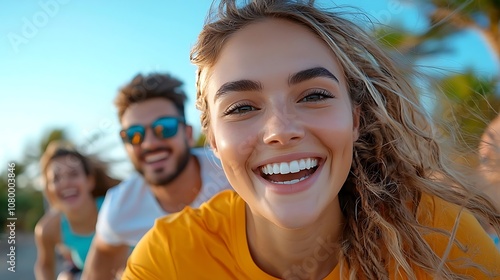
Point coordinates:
[(48, 227)]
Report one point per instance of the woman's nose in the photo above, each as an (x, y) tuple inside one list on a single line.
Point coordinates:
[(282, 127)]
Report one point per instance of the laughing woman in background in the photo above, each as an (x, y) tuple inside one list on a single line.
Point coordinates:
[(74, 186)]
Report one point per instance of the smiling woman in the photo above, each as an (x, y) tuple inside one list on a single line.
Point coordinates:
[(75, 186), (331, 157), (296, 108)]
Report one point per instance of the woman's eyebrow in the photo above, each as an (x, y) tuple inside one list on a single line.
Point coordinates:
[(235, 86), (311, 73), (249, 85)]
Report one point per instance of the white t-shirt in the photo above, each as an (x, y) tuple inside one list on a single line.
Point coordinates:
[(130, 208)]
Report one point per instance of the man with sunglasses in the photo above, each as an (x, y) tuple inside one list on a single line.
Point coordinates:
[(172, 174)]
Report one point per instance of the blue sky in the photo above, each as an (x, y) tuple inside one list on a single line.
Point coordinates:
[(62, 61)]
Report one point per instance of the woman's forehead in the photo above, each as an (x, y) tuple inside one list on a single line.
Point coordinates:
[(270, 49), (66, 162)]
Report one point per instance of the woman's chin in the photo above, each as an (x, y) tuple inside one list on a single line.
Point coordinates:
[(72, 203)]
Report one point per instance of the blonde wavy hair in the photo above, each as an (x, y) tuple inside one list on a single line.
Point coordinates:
[(397, 158)]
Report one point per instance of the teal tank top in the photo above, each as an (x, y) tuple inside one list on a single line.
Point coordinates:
[(78, 244)]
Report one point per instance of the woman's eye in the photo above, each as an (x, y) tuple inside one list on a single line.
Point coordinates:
[(239, 109), (316, 96)]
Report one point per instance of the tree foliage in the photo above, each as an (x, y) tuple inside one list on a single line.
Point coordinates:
[(465, 101)]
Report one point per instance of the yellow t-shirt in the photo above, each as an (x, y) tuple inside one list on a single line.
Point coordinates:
[(210, 243)]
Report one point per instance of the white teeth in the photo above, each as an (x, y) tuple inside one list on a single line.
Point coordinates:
[(294, 166), (68, 192), (294, 181), (289, 167), (302, 164), (284, 168), (156, 156), (276, 168)]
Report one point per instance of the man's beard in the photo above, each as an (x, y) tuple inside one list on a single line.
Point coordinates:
[(180, 165)]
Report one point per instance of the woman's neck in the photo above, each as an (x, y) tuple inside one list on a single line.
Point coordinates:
[(306, 253), (84, 219)]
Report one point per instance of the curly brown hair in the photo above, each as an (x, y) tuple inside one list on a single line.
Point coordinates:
[(155, 85)]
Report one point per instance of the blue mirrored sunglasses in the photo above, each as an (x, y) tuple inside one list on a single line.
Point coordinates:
[(163, 128)]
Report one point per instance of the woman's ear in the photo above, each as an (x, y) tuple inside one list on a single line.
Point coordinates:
[(92, 181), (213, 144)]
